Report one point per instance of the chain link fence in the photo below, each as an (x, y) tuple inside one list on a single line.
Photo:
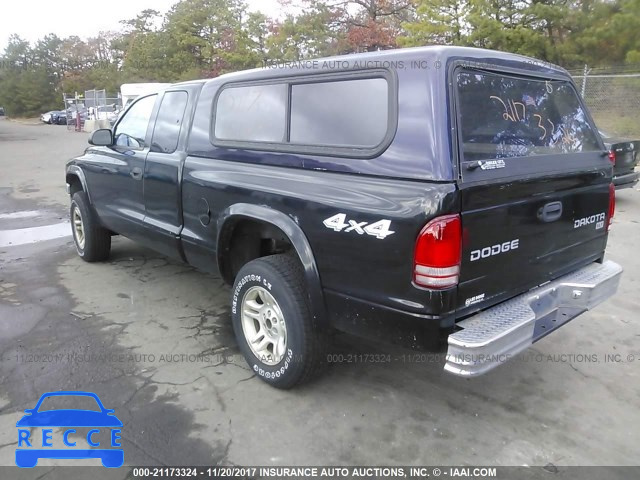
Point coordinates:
[(613, 98), (91, 110)]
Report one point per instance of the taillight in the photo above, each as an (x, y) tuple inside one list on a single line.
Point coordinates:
[(438, 252), (612, 204), (612, 157)]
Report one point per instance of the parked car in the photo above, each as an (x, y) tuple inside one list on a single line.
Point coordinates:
[(54, 117), (1, 112), (470, 202), (59, 118), (624, 154), (47, 117)]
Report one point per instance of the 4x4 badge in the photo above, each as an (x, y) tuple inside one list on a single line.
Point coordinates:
[(379, 229)]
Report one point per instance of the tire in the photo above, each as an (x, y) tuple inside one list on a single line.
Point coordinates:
[(269, 302), (93, 242)]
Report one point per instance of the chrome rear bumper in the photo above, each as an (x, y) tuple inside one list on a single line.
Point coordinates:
[(493, 336)]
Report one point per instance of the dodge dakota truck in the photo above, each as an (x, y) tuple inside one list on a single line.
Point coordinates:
[(429, 193)]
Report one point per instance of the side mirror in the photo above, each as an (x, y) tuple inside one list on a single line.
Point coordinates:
[(101, 138)]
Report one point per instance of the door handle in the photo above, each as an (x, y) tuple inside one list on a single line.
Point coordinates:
[(550, 212), (136, 173)]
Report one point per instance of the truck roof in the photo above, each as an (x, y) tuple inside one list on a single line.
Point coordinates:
[(432, 57)]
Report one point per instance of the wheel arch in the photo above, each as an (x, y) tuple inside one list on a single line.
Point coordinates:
[(289, 227), (75, 177)]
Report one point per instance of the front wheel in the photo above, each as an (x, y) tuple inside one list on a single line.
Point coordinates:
[(93, 242), (272, 322)]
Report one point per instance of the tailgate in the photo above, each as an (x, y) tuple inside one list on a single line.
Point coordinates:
[(535, 185), (518, 235)]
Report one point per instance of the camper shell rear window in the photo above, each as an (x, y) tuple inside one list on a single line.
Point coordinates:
[(504, 116)]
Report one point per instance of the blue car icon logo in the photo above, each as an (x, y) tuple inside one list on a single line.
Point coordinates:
[(99, 423)]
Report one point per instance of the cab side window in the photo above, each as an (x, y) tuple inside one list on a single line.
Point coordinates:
[(132, 129), (169, 122)]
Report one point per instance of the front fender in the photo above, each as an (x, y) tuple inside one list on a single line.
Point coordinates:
[(76, 171)]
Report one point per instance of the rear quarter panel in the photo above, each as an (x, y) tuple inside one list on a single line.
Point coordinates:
[(352, 263), (411, 182)]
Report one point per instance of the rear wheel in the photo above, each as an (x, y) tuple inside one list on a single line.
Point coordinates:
[(93, 242), (273, 324)]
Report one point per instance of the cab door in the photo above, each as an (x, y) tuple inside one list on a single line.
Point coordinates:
[(115, 173), (162, 174)]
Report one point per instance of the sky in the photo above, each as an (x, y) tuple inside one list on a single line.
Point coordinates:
[(33, 19)]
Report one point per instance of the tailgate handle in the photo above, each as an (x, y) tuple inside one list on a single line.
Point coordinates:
[(550, 212)]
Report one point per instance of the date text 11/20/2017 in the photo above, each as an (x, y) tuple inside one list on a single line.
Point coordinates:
[(313, 472)]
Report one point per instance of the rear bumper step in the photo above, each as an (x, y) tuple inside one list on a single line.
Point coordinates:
[(493, 336), (626, 180)]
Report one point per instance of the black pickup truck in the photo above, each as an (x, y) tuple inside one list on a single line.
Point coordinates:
[(624, 154), (437, 192)]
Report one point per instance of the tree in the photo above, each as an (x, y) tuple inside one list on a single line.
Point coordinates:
[(309, 34), (366, 25), (438, 22), (144, 22), (47, 54), (528, 27), (27, 86), (140, 50), (18, 53), (258, 28), (203, 36), (615, 37)]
